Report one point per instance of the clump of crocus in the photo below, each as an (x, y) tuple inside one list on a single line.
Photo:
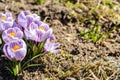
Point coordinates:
[(6, 21), (11, 34), (37, 35)]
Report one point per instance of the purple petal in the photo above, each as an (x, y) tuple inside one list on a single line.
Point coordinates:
[(1, 26), (29, 20), (22, 17), (32, 26), (52, 38), (56, 45), (17, 24), (22, 20), (19, 33), (36, 16), (20, 55), (5, 50), (47, 35), (30, 31), (55, 51), (1, 15), (38, 22), (26, 12), (8, 15)]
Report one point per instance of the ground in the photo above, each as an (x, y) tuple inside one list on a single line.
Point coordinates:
[(80, 58)]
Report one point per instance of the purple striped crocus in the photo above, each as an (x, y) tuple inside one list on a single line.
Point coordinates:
[(12, 34), (43, 31), (6, 21), (30, 31), (51, 45), (15, 50), (25, 18), (38, 31)]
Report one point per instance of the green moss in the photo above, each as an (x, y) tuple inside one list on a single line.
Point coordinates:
[(108, 2), (93, 34), (71, 5), (40, 1)]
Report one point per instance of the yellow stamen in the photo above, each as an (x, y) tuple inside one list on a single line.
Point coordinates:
[(12, 34), (16, 47), (52, 41), (42, 28), (3, 18), (29, 15)]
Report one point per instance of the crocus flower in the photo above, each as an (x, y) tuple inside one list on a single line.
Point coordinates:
[(25, 18), (43, 31), (30, 32), (51, 45), (15, 50), (12, 34), (38, 31), (6, 21)]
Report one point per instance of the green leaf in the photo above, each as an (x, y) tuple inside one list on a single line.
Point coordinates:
[(97, 29), (108, 2), (35, 49), (31, 60), (92, 30), (69, 4), (9, 70), (31, 65), (82, 33), (40, 47), (48, 79), (99, 37), (94, 39)]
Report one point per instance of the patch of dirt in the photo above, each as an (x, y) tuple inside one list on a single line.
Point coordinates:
[(76, 49)]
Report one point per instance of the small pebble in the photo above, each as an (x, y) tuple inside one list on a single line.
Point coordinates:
[(1, 78), (70, 78)]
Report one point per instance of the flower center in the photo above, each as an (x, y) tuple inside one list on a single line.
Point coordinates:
[(29, 15), (52, 41), (17, 22), (12, 34), (3, 18), (16, 47), (42, 28)]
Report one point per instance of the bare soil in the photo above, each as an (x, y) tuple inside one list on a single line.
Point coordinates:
[(77, 53)]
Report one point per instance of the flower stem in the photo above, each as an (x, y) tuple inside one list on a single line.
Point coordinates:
[(16, 68)]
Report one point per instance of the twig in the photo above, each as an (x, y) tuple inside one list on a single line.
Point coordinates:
[(111, 75), (96, 78), (98, 3)]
